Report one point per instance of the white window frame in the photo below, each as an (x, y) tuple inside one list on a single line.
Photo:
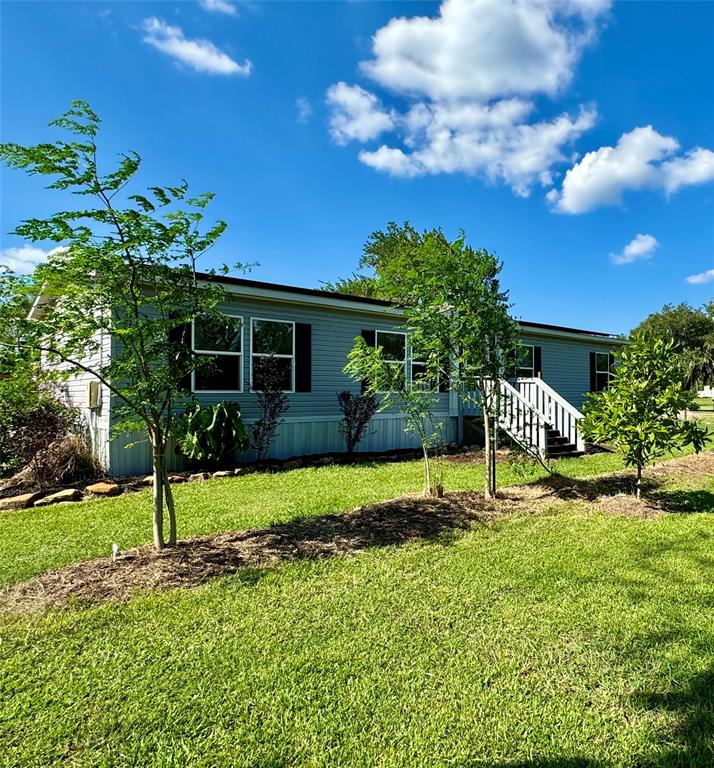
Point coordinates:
[(520, 367), (599, 371), (290, 391), (216, 353), (377, 331)]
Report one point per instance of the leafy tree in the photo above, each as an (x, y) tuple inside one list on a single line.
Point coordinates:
[(269, 380), (639, 412), (692, 332), (388, 382), (392, 256), (357, 411), (126, 268), (355, 285), (455, 312)]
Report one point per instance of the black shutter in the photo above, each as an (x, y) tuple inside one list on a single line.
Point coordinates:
[(180, 343), (537, 362), (593, 376), (370, 339), (303, 357)]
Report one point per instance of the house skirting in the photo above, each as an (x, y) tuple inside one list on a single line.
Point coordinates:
[(296, 437)]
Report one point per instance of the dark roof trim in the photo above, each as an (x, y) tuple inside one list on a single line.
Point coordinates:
[(293, 289), (545, 326), (241, 281)]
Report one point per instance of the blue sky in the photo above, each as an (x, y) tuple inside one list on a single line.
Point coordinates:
[(575, 140)]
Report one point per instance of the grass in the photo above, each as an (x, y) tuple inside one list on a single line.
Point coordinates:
[(568, 639), (39, 539)]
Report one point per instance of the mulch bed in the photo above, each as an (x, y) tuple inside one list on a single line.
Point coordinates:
[(194, 561)]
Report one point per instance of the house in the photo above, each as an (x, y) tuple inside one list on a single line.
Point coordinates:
[(312, 331)]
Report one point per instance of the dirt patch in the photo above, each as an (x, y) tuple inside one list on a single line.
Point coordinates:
[(696, 465), (410, 518), (194, 561)]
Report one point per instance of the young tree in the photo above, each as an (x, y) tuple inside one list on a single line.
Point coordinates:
[(640, 411), (388, 382), (456, 314), (357, 412), (126, 268)]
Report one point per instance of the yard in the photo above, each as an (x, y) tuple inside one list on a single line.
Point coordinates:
[(573, 628)]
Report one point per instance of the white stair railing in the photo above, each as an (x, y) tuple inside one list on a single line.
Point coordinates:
[(521, 420), (554, 408)]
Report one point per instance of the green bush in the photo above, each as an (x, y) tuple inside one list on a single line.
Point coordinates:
[(211, 435)]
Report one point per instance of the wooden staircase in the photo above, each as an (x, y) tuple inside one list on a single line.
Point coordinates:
[(538, 419)]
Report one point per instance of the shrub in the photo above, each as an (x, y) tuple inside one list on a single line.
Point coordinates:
[(211, 435), (357, 411), (68, 459), (272, 402), (28, 427)]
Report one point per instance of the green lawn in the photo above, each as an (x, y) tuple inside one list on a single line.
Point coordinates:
[(566, 639)]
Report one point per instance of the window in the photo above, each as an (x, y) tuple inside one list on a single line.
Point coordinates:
[(525, 368), (394, 349), (276, 339), (219, 336), (603, 373)]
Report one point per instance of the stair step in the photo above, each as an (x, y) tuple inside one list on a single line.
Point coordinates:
[(559, 440), (565, 451)]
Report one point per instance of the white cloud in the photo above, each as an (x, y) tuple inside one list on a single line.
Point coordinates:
[(357, 114), (304, 109), (696, 167), (218, 6), (484, 49), (641, 159), (201, 55), (468, 77), (641, 247), (24, 259), (702, 277), (474, 139)]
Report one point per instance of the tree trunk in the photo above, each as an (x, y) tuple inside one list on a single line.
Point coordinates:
[(638, 485), (158, 496), (427, 469), (488, 448), (494, 446), (170, 508)]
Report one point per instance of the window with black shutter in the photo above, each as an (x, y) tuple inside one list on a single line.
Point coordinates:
[(601, 370), (275, 339), (218, 337)]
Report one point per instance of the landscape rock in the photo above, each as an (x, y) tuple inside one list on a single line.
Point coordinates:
[(68, 494), (325, 461), (178, 478), (244, 471), (198, 476), (222, 473), (22, 501), (295, 464), (148, 480), (104, 489)]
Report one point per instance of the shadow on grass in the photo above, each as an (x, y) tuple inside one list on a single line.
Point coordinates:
[(540, 762), (655, 497), (193, 561), (692, 704)]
